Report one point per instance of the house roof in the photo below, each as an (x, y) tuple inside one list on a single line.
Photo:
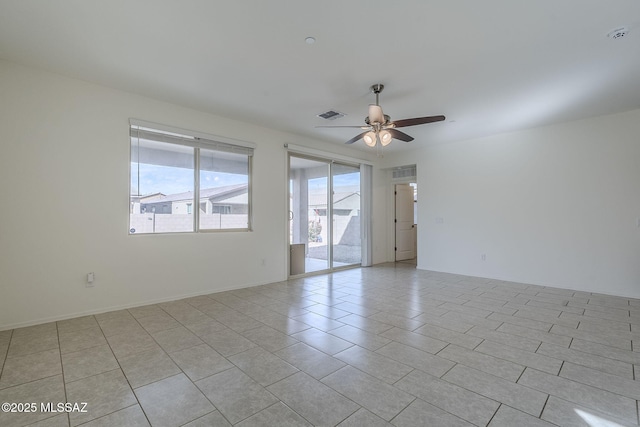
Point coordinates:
[(150, 197), (341, 200), (490, 67), (217, 193)]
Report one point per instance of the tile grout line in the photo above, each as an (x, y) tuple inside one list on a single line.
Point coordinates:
[(403, 409), (64, 383), (122, 371), (496, 411), (6, 354), (209, 400), (544, 406)]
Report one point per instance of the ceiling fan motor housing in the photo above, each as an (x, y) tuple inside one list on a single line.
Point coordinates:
[(376, 116)]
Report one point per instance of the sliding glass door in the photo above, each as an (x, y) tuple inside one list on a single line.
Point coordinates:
[(308, 195), (324, 215), (346, 246)]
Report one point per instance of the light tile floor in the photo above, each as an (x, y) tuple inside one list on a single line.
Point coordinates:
[(387, 345)]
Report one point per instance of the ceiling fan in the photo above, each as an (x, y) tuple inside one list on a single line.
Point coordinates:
[(380, 127)]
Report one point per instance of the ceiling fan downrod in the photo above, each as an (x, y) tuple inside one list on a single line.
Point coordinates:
[(377, 88)]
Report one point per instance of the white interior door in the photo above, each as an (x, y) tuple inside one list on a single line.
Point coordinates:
[(405, 235)]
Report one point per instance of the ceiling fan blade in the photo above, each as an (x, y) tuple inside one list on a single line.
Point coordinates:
[(400, 135), (375, 114), (353, 127), (417, 121), (355, 138)]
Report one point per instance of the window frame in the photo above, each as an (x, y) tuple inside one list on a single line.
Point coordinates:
[(196, 141)]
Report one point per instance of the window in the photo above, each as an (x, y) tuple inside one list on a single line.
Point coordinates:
[(172, 171)]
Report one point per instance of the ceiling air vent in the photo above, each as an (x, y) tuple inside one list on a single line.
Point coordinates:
[(404, 174), (331, 115)]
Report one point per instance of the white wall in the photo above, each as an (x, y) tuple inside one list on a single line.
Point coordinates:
[(554, 206), (64, 183), (381, 219)]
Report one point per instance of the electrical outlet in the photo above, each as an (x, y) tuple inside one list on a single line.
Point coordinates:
[(483, 257)]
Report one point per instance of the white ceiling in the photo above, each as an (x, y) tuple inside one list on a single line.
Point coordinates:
[(490, 66)]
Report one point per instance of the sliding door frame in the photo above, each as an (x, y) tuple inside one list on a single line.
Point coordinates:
[(330, 211)]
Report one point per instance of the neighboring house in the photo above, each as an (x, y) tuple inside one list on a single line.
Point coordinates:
[(136, 200), (346, 202), (346, 216), (230, 199)]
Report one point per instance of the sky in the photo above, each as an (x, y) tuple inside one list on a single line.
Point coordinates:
[(347, 179), (171, 180)]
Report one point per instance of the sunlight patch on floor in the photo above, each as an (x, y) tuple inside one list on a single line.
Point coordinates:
[(594, 421)]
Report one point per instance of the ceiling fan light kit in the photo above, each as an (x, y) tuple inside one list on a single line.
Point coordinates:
[(379, 126), (370, 139), (385, 137)]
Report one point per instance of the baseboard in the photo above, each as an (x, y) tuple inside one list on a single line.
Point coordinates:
[(122, 307)]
